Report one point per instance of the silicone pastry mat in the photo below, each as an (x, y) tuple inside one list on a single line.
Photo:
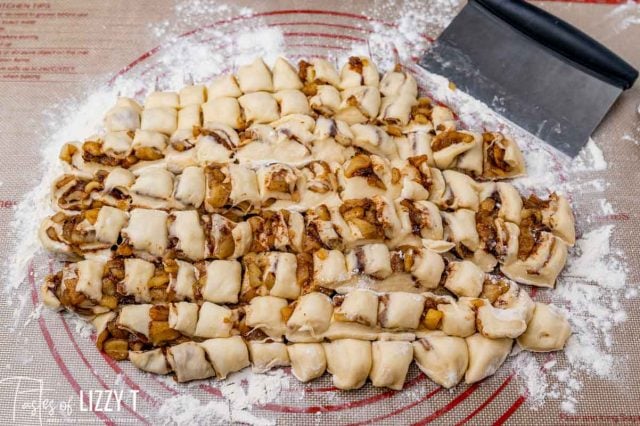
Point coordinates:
[(55, 50)]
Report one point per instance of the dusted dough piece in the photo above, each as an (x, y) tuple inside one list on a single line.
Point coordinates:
[(461, 228), (266, 356), (543, 266), (359, 71), (183, 317), (547, 331), (123, 116), (496, 323), (185, 228), (182, 284), (420, 218), (442, 119), (398, 83), (190, 187), (265, 313), (137, 273), (255, 77), (449, 145), (502, 157), (227, 355), (312, 314), (464, 278), (223, 281), (145, 139), (188, 360), (292, 102), (90, 279), (154, 182), (153, 361), (244, 185), (459, 318), (117, 144), (188, 118), (277, 182), (485, 356), (162, 100), (163, 120), (285, 285), (214, 321), (464, 190), (390, 363), (192, 95), (399, 310), (365, 176), (510, 202), (442, 358), (397, 110), (349, 361), (371, 259), (285, 76), (224, 86), (359, 104), (135, 318), (319, 71), (329, 267), (375, 140), (326, 101), (223, 110), (109, 224), (308, 360), (147, 231), (259, 107), (360, 306), (427, 267), (558, 216)]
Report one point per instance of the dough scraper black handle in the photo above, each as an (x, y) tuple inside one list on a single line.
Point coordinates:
[(564, 39)]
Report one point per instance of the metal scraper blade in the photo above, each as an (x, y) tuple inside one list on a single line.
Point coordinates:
[(531, 85)]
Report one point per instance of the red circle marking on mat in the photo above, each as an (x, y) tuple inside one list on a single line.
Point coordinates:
[(54, 352), (503, 418), (486, 402), (450, 406)]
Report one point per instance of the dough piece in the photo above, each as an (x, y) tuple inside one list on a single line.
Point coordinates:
[(154, 183), (182, 284), (319, 71), (123, 116), (416, 142), (505, 321), (266, 356), (255, 77), (442, 358), (485, 356), (367, 220), (285, 76), (427, 266), (265, 313), (109, 224), (183, 317), (162, 100), (292, 102), (349, 361), (397, 111), (447, 146), (459, 318), (442, 119), (373, 139), (147, 231), (137, 273), (189, 362), (149, 145), (214, 321), (188, 118), (502, 157), (359, 305), (228, 239), (259, 107), (543, 266), (359, 71), (192, 95), (548, 330), (399, 310), (187, 231), (365, 176), (464, 190), (135, 318), (420, 218), (371, 259), (390, 363), (464, 278), (510, 202), (190, 187), (223, 86), (461, 228), (244, 185), (329, 268), (398, 82), (312, 314), (223, 281), (223, 110), (326, 101), (153, 361), (277, 182), (227, 355), (163, 120), (90, 279), (339, 330), (558, 216), (308, 360), (285, 285), (359, 105), (117, 144), (471, 161)]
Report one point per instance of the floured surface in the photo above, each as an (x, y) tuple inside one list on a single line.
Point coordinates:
[(594, 378)]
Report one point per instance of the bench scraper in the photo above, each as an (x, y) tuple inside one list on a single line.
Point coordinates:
[(533, 68)]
